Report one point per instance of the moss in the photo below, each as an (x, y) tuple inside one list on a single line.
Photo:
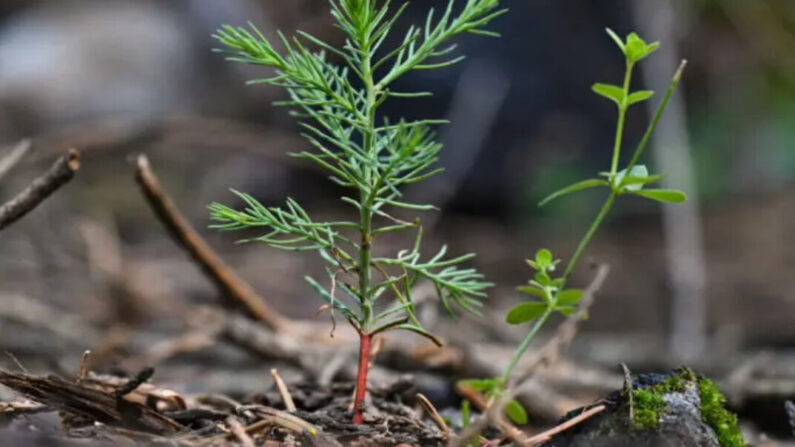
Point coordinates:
[(649, 403), (715, 414), (649, 406)]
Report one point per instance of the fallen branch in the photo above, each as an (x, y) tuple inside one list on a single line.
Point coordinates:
[(42, 187), (231, 285), (97, 405)]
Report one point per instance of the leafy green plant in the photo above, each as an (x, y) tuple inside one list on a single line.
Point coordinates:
[(548, 290), (337, 92)]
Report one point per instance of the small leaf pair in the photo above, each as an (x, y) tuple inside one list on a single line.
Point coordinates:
[(634, 47), (564, 302), (543, 261), (617, 94), (623, 183), (637, 178)]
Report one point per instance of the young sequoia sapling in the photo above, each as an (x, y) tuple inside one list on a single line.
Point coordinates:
[(337, 93), (548, 289)]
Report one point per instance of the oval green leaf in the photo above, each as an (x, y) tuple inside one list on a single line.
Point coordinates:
[(524, 312), (569, 297), (609, 91), (663, 195), (532, 290), (544, 258), (566, 310), (637, 183), (639, 96), (635, 47), (516, 412)]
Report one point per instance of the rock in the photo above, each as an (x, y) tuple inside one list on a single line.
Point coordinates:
[(675, 409)]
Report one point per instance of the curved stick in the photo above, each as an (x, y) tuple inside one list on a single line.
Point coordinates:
[(42, 187), (231, 285)]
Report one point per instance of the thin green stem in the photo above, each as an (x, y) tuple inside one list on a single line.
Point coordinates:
[(519, 353), (589, 235), (657, 115), (622, 114), (367, 196)]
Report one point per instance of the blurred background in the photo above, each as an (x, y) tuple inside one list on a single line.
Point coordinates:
[(709, 283)]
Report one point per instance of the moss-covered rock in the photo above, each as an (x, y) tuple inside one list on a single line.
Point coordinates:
[(678, 408)]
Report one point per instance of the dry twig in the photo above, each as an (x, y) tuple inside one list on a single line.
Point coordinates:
[(272, 416), (85, 366), (628, 391), (239, 432), (133, 384), (283, 391), (547, 435), (42, 187), (230, 284), (492, 415), (435, 416)]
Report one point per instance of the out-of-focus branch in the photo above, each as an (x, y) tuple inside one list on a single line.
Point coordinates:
[(42, 187), (681, 222), (229, 283), (14, 155)]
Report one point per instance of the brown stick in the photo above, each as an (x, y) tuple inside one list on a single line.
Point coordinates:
[(492, 413), (59, 174), (545, 436), (240, 433), (85, 366), (283, 391), (433, 413), (231, 285)]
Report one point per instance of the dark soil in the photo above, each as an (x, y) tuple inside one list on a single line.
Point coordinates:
[(111, 411)]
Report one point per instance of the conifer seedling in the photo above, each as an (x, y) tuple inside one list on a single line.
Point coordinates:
[(337, 93)]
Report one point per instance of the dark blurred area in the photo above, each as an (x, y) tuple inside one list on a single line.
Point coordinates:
[(116, 78)]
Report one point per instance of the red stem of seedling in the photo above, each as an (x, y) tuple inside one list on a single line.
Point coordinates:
[(361, 380)]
